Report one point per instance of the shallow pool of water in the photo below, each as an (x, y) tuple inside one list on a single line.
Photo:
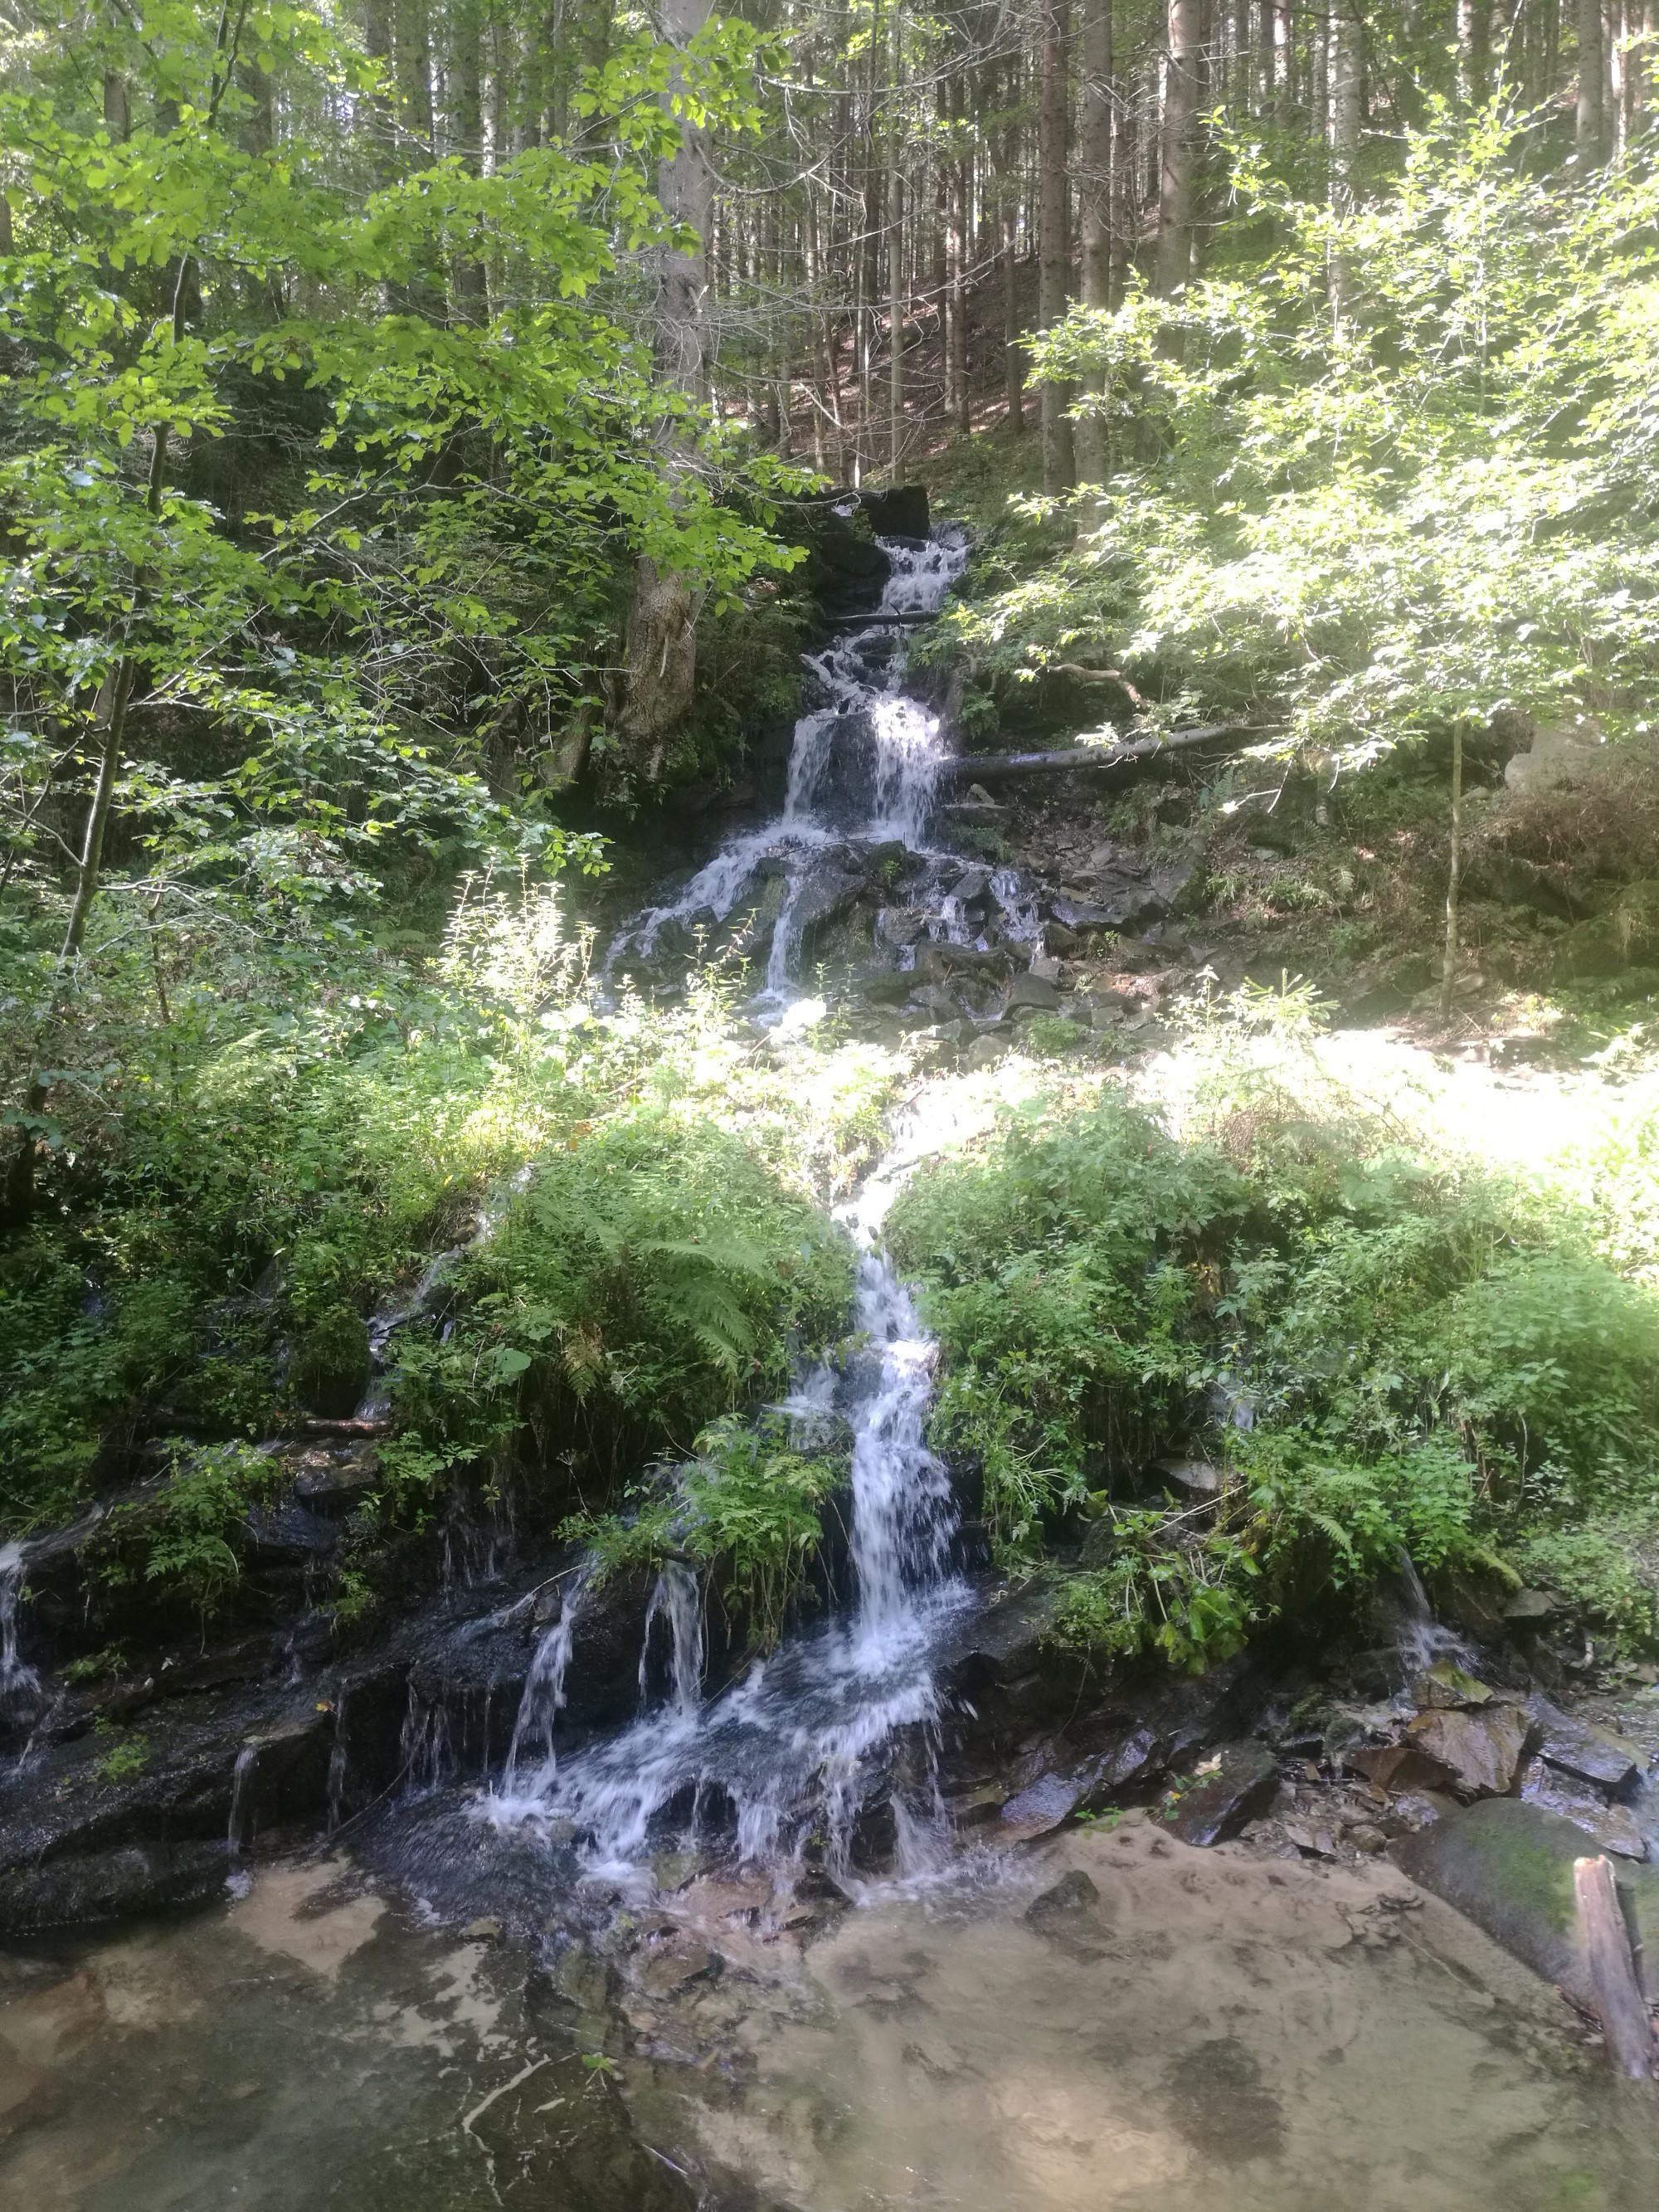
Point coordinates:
[(1186, 2032), (309, 2045), (1212, 2032)]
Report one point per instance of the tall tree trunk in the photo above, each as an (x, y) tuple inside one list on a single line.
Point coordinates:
[(1054, 241), (1175, 197), (895, 287), (1347, 115), (1013, 360), (1348, 106), (1095, 175), (1588, 118), (956, 252), (662, 637), (471, 289)]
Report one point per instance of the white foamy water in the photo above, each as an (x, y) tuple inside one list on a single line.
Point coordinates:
[(838, 1723), (792, 1750), (864, 692), (16, 1680)]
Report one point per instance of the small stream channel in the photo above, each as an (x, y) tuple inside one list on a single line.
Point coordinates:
[(758, 1962)]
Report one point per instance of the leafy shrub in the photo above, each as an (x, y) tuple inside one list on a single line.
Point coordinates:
[(747, 1509), (650, 1277), (1383, 1354), (186, 1533)]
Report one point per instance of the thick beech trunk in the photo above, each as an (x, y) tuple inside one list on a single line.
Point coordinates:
[(662, 636), (1180, 95)]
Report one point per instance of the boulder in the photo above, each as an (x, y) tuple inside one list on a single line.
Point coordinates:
[(106, 1885), (1199, 1475), (986, 1051), (1578, 1748), (900, 511), (1613, 1826), (1445, 1687), (1058, 1909), (1478, 1750), (1508, 1865), (1232, 1786), (1034, 992)]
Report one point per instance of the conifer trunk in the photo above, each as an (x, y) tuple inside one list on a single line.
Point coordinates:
[(1053, 242)]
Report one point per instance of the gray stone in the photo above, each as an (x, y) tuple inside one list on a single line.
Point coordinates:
[(1480, 1751), (1035, 992), (1071, 1895), (1508, 1866), (1233, 1785), (1529, 1607), (1200, 1476), (1590, 1754), (986, 1051)]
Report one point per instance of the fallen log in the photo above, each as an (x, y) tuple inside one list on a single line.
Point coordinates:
[(1625, 2024), (1105, 760)]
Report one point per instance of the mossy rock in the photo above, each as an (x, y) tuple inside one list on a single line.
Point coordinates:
[(1635, 921), (1590, 952), (1508, 1866), (329, 1366)]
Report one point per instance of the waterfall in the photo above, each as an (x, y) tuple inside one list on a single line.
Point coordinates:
[(784, 1761), (17, 1681), (905, 745), (676, 1600), (239, 1834), (793, 1747), (543, 1698)]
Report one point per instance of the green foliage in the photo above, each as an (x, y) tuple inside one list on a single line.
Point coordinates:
[(1061, 1280), (185, 1534), (649, 1278), (1374, 470), (127, 1756), (747, 1508), (1381, 1354)]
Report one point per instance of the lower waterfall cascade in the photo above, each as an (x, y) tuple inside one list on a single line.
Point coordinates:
[(782, 1763)]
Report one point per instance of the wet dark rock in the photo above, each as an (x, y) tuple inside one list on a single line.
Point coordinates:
[(1577, 1748), (899, 512), (1236, 1785), (1217, 2101), (901, 925), (109, 1885), (289, 1531), (1046, 1804), (1613, 1827), (1508, 1865), (1479, 1751), (845, 569), (1060, 1906)]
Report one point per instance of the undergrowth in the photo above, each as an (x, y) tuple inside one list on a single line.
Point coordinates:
[(1370, 1346)]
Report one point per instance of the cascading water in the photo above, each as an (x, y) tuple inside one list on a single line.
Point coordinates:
[(794, 1747), (18, 1683), (861, 673), (792, 1753)]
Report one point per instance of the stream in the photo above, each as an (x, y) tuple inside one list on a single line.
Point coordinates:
[(763, 1965)]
